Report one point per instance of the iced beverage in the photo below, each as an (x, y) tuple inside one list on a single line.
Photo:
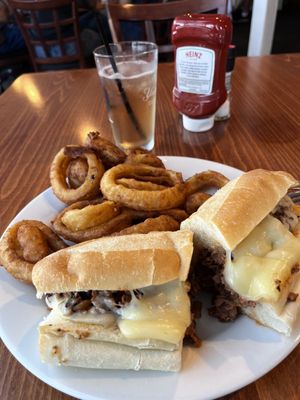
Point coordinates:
[(132, 118)]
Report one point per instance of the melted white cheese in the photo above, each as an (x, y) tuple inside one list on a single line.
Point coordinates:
[(162, 313), (262, 263)]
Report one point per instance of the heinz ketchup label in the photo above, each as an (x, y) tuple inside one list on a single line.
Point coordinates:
[(195, 68)]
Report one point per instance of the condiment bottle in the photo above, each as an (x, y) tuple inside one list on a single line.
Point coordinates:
[(224, 111), (201, 42)]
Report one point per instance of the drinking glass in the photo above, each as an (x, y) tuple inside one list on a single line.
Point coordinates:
[(128, 78)]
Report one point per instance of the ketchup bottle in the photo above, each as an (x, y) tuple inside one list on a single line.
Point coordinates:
[(201, 42)]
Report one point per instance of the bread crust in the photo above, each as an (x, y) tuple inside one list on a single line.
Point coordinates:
[(69, 351), (233, 212), (116, 263)]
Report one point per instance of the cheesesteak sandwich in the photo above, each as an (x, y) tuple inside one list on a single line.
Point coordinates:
[(117, 302), (246, 250)]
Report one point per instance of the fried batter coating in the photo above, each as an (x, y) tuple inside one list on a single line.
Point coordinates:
[(163, 180), (161, 223), (204, 179), (89, 189), (90, 216), (140, 215), (195, 200), (25, 243), (77, 171), (176, 213), (141, 156), (33, 243), (138, 199), (140, 185), (109, 154), (118, 220), (196, 183)]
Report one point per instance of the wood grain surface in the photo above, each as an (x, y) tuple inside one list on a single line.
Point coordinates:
[(40, 113)]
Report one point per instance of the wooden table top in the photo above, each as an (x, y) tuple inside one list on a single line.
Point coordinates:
[(42, 112)]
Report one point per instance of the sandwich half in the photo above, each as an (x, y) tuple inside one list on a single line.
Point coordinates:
[(247, 252), (116, 302)]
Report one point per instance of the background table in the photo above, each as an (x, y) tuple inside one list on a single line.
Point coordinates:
[(40, 113)]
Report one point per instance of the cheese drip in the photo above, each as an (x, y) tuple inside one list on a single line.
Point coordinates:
[(260, 268), (162, 313)]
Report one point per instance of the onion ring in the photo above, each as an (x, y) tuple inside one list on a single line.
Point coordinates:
[(195, 200), (23, 244), (161, 223), (169, 197), (158, 180), (176, 213), (204, 179), (90, 216), (141, 156), (137, 150), (90, 187), (141, 185), (120, 221), (109, 153)]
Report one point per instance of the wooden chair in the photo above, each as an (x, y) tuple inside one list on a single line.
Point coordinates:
[(152, 14), (52, 35)]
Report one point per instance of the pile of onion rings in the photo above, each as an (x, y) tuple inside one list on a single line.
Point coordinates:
[(136, 193), (107, 193)]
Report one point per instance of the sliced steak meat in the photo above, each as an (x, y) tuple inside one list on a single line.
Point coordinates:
[(208, 276), (202, 276), (108, 300), (227, 304), (224, 309), (99, 301), (285, 213), (293, 296), (78, 301), (191, 334)]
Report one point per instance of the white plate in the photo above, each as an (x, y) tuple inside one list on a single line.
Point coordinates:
[(232, 355)]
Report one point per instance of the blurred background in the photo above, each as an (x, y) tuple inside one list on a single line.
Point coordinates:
[(287, 27), (15, 59)]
